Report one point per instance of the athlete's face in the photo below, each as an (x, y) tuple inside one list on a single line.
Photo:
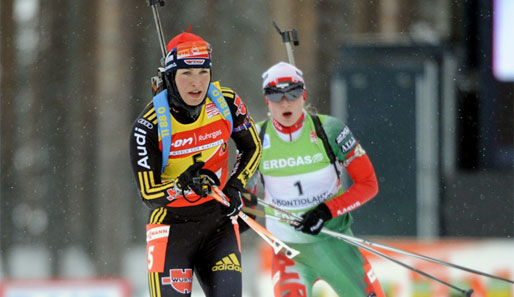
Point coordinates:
[(192, 84), (286, 112)]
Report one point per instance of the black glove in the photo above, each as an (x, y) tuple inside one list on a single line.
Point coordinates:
[(314, 219), (191, 179), (235, 200)]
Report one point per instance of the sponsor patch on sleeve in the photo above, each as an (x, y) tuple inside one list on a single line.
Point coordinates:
[(345, 140), (340, 138), (348, 145), (241, 108)]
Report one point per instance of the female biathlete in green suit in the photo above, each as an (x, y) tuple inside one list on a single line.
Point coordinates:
[(299, 177)]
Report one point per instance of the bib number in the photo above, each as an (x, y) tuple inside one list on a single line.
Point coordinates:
[(156, 243), (299, 186)]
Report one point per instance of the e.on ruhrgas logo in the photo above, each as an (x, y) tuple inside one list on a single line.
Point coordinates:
[(180, 279)]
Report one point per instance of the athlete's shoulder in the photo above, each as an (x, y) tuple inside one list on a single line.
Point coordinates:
[(147, 119), (228, 93), (340, 137), (330, 124), (235, 103), (326, 119), (148, 114)]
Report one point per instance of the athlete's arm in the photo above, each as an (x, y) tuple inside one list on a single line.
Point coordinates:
[(247, 141), (357, 164), (146, 160)]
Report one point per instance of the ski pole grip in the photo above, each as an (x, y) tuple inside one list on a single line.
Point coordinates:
[(296, 42), (287, 36), (154, 2)]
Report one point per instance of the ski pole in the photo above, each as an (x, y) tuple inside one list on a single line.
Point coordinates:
[(422, 257), (365, 247), (467, 293), (269, 237), (386, 247), (287, 37), (157, 19), (158, 81)]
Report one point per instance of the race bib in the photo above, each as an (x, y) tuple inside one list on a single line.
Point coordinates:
[(156, 242)]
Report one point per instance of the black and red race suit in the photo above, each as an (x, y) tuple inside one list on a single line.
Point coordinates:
[(188, 234)]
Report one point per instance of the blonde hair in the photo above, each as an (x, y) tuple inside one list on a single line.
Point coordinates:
[(310, 109)]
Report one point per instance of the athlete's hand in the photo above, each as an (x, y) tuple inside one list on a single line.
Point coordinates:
[(314, 219), (235, 200), (191, 179)]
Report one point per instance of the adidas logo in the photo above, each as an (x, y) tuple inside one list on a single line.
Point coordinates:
[(228, 263)]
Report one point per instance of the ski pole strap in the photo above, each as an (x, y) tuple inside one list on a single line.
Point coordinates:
[(216, 96), (162, 110)]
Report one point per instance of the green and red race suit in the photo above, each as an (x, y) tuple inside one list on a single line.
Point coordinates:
[(297, 175)]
